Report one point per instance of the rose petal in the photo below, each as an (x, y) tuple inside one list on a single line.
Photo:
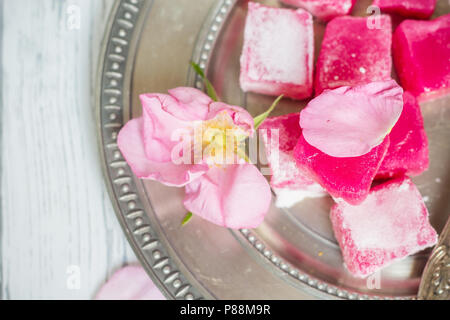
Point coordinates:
[(192, 105), (237, 196), (129, 283), (160, 126), (349, 122), (240, 116), (131, 144)]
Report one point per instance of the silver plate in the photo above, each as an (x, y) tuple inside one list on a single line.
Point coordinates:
[(293, 255)]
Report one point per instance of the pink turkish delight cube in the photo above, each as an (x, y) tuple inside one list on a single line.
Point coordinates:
[(354, 51), (278, 52), (348, 179), (421, 9), (389, 225), (408, 151), (290, 183), (421, 53), (324, 9)]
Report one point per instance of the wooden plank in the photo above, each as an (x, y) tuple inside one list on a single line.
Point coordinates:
[(57, 218)]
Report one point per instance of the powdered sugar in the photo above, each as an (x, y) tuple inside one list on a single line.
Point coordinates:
[(278, 52), (375, 223), (389, 225), (288, 197), (275, 46), (291, 183), (324, 9)]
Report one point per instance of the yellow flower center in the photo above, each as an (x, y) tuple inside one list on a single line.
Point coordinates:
[(221, 140)]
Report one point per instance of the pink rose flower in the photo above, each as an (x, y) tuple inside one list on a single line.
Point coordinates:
[(221, 186)]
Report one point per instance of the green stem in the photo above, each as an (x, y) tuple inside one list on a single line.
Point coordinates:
[(260, 119), (209, 87)]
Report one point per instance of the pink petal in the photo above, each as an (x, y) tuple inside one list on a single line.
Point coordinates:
[(237, 196), (131, 144), (349, 122), (160, 126), (129, 283), (240, 116), (193, 104), (165, 114)]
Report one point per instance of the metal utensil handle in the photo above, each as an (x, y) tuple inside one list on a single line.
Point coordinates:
[(435, 283)]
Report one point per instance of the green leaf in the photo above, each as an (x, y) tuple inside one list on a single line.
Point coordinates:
[(186, 219), (209, 87), (260, 119)]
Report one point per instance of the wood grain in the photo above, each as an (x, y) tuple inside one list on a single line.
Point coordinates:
[(55, 210)]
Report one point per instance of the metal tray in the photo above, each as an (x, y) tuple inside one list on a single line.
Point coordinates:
[(293, 255)]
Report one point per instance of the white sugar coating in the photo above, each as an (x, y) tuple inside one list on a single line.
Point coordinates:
[(289, 181), (315, 5), (286, 172), (281, 46), (287, 198), (389, 225), (324, 9), (388, 218), (279, 145)]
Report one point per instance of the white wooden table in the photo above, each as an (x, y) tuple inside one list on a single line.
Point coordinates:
[(59, 235)]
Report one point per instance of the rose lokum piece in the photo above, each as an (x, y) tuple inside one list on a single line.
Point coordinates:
[(324, 9), (421, 53), (421, 9), (290, 183), (354, 51), (345, 136), (408, 151), (389, 225), (278, 52), (348, 179)]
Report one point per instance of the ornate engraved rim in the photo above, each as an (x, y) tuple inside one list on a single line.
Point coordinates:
[(119, 44)]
